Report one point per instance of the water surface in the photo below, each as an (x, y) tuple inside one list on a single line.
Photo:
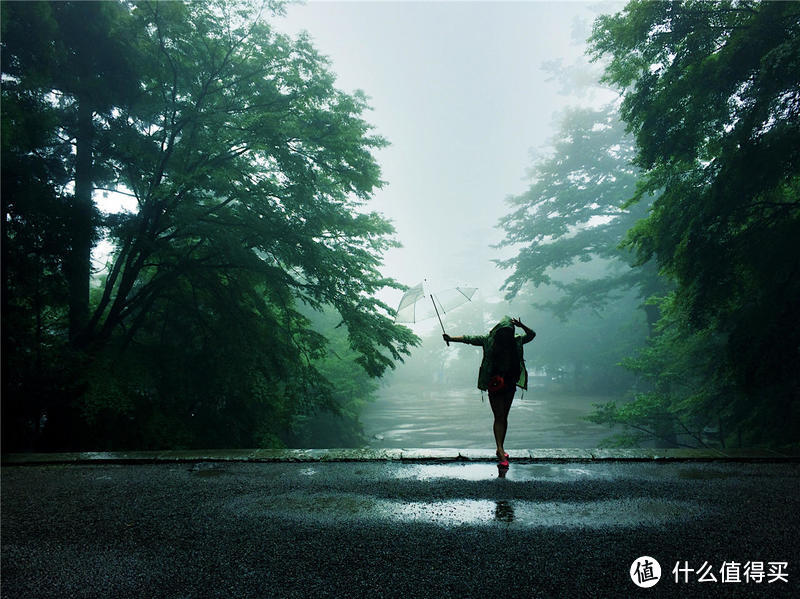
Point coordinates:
[(447, 417)]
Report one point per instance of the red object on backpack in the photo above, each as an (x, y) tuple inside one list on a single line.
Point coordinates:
[(497, 383)]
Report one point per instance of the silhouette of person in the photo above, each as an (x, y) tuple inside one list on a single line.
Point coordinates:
[(502, 371)]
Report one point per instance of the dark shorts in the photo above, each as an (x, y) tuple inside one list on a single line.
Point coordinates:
[(506, 394)]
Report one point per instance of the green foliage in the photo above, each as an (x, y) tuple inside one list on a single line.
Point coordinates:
[(570, 223), (686, 391), (250, 172), (76, 59), (351, 388), (704, 208), (573, 209), (711, 97), (574, 212)]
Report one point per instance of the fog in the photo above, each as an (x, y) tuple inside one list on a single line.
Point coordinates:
[(466, 93), (469, 95)]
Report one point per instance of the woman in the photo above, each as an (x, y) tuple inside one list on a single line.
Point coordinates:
[(502, 371)]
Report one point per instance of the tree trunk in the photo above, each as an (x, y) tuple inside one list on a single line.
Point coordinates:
[(79, 259)]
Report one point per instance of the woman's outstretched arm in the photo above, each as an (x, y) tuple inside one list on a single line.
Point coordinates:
[(469, 339)]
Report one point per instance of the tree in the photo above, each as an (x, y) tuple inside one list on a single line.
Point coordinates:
[(76, 58), (568, 227), (337, 423), (250, 171), (711, 98), (686, 394), (574, 212)]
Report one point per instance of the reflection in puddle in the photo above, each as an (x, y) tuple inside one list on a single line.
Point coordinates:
[(528, 514), (579, 471), (485, 470), (477, 471), (504, 511), (339, 507)]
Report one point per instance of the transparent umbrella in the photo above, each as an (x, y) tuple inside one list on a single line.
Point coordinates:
[(418, 303)]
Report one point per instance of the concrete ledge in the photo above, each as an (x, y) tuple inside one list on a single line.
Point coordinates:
[(404, 455)]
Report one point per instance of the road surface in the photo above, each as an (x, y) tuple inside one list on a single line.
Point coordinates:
[(395, 529)]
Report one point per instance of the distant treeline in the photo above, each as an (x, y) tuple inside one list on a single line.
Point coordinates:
[(234, 300), (691, 185)]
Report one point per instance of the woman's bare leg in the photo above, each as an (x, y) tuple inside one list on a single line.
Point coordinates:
[(500, 427), (501, 404)]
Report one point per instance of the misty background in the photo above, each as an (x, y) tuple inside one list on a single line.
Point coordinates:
[(468, 94), (213, 208)]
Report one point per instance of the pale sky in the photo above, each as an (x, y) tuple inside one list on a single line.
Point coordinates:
[(459, 91)]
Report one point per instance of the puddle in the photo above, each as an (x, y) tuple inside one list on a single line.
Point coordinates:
[(486, 470), (349, 507), (504, 511), (479, 471), (528, 514)]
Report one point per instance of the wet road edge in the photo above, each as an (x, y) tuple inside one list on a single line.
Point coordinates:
[(410, 455)]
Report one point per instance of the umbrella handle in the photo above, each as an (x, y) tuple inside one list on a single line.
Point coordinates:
[(440, 320)]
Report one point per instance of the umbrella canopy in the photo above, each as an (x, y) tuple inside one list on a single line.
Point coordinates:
[(417, 304)]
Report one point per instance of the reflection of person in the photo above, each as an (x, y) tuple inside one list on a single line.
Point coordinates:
[(504, 511), (502, 371)]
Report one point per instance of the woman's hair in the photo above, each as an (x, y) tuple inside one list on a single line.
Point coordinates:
[(505, 348), (504, 336), (505, 357)]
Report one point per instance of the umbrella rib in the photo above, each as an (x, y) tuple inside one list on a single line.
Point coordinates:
[(464, 294)]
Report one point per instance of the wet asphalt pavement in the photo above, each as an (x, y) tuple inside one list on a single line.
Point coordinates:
[(391, 529)]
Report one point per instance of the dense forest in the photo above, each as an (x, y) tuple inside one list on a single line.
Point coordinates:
[(238, 298), (236, 304)]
